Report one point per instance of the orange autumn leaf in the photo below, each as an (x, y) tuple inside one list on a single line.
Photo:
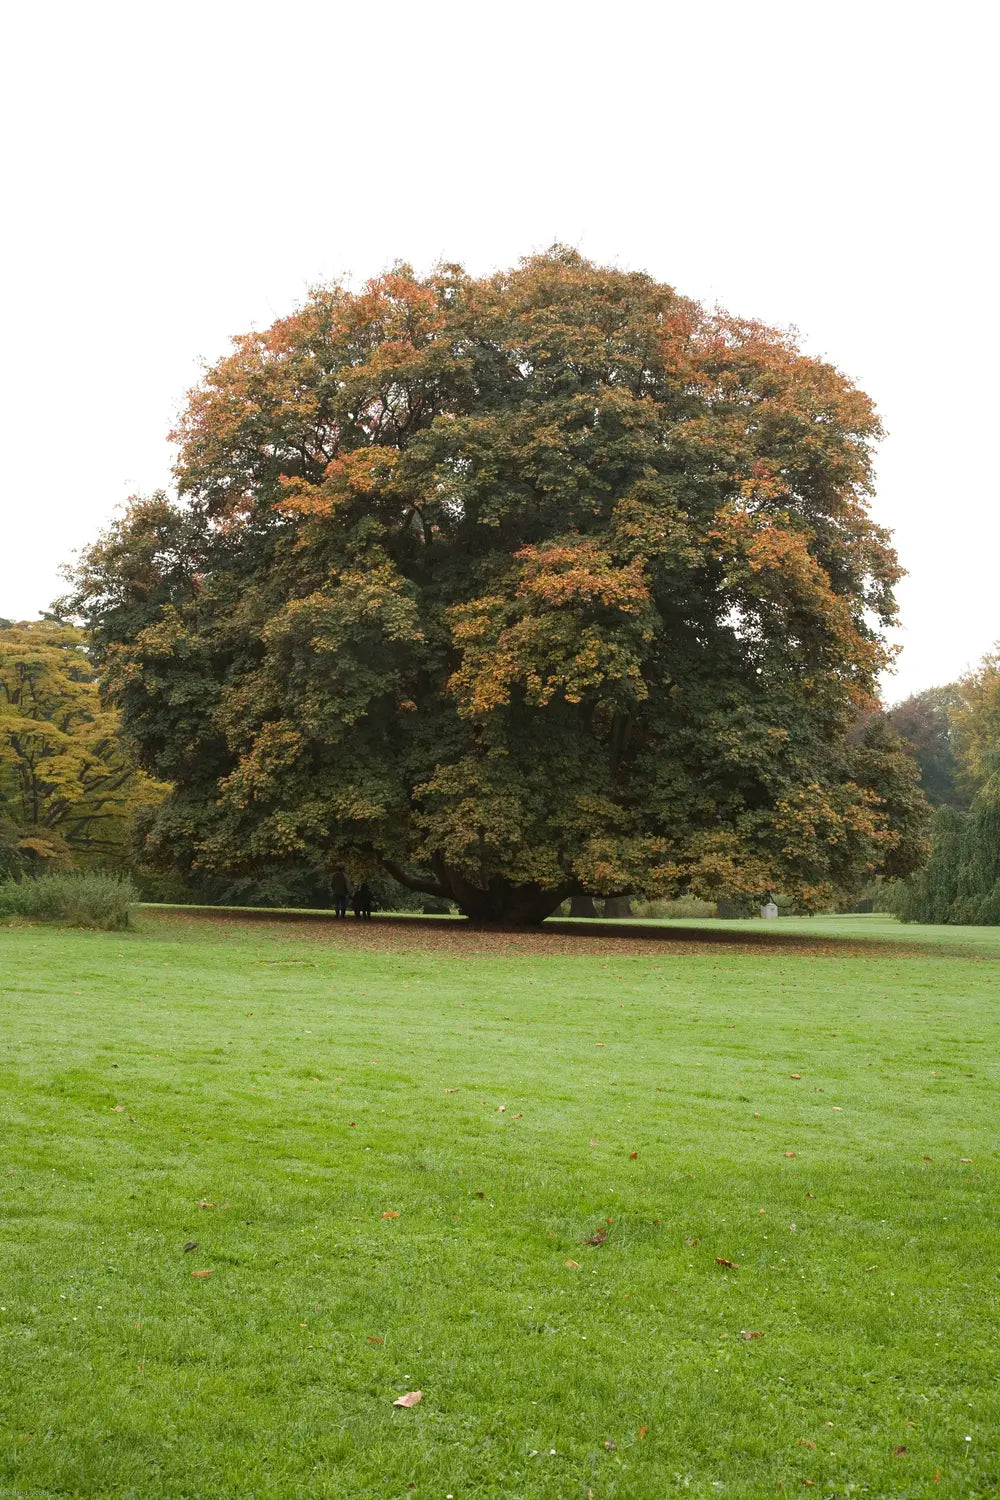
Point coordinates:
[(410, 1399), (730, 1265), (391, 1213), (201, 1273), (750, 1333), (573, 1265)]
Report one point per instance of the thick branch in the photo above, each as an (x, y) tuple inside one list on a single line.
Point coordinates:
[(422, 883)]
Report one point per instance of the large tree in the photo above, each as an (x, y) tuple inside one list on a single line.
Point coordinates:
[(520, 587), (66, 790)]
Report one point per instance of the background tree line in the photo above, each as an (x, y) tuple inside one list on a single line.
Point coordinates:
[(953, 733)]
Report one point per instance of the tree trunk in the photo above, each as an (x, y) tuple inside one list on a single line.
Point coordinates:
[(582, 906), (502, 902), (499, 901), (617, 906)]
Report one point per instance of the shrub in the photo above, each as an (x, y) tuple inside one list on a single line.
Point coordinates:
[(76, 898), (683, 906)]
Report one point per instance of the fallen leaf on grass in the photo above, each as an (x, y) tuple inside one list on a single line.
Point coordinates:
[(900, 1450), (633, 1155), (573, 1265), (691, 1240), (501, 1109), (391, 1213), (372, 1340), (965, 1161), (201, 1273), (609, 1444), (928, 1158), (451, 1091), (791, 1153), (598, 1237), (410, 1399), (720, 1260), (795, 1075), (191, 1245), (119, 1109), (517, 1117), (642, 1432), (205, 1203), (750, 1333), (591, 1143)]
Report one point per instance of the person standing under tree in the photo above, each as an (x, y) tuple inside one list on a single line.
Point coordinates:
[(340, 887)]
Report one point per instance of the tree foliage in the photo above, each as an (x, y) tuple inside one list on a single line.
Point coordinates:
[(515, 588), (975, 721), (961, 880), (66, 790), (924, 722)]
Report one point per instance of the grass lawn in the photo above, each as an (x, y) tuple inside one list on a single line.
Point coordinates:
[(508, 1173)]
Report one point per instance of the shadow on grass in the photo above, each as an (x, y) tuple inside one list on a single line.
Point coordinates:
[(405, 930)]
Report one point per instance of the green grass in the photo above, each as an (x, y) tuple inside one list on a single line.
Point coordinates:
[(300, 1086)]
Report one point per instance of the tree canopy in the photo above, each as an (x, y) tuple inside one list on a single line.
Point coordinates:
[(66, 790), (516, 587)]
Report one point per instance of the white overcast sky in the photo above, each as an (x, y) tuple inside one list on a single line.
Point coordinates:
[(175, 173)]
